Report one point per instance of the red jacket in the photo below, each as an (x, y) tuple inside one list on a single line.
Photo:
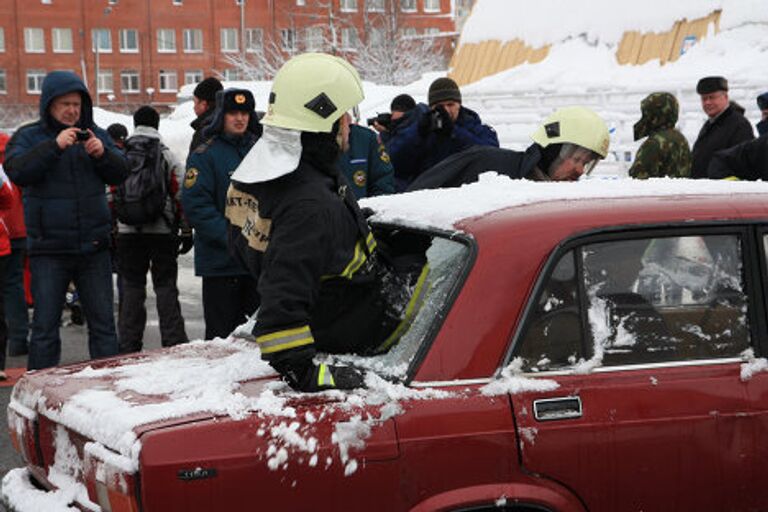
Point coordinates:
[(6, 199)]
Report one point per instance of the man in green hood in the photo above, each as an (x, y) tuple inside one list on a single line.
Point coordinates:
[(665, 152)]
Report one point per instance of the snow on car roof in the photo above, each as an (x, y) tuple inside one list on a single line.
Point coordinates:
[(443, 208)]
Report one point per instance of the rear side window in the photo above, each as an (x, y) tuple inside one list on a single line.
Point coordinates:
[(640, 301)]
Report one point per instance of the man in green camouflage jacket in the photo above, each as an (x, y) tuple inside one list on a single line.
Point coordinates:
[(666, 151)]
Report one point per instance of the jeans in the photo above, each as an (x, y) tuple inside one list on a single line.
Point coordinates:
[(156, 253), (228, 301), (16, 313), (51, 274)]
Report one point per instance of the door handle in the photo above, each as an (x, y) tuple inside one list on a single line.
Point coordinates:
[(560, 408)]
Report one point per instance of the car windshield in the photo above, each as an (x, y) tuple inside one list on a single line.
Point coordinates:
[(446, 259)]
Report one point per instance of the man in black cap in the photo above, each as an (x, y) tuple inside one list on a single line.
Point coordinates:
[(725, 127), (429, 134), (204, 97), (229, 292), (400, 106)]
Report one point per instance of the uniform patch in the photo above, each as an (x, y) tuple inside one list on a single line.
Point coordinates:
[(359, 178), (190, 178), (239, 99), (242, 210), (383, 154)]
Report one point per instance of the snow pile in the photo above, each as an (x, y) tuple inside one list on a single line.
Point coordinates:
[(752, 365), (20, 494), (512, 382), (603, 21), (428, 208)]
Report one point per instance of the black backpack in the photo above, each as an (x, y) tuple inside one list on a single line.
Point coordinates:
[(141, 198)]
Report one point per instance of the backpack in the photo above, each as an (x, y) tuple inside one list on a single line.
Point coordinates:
[(141, 198)]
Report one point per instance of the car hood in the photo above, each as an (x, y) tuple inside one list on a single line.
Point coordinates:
[(114, 401)]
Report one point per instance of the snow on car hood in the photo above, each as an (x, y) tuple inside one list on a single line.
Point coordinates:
[(443, 208)]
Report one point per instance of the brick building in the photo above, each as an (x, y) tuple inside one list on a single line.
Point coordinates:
[(142, 51)]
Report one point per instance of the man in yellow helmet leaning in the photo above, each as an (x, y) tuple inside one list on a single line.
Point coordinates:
[(566, 146), (297, 228)]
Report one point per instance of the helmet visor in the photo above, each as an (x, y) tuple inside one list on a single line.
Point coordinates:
[(573, 162)]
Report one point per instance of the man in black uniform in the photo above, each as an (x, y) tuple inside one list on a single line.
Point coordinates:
[(298, 229), (725, 127)]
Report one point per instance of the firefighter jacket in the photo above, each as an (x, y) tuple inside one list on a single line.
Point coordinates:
[(303, 237)]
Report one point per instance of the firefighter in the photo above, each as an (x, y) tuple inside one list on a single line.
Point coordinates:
[(297, 228)]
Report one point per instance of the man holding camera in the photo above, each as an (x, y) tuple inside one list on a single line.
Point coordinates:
[(63, 161), (429, 134)]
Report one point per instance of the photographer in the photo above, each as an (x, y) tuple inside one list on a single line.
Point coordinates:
[(429, 134), (386, 124), (63, 160)]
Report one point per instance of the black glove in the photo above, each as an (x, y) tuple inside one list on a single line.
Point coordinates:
[(312, 378), (186, 242)]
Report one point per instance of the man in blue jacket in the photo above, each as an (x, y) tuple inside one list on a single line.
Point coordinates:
[(229, 292), (429, 134), (63, 161)]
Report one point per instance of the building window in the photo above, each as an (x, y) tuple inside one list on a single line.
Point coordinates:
[(376, 37), (129, 40), (193, 40), (193, 76), (166, 40), (348, 5), (2, 39), (3, 82), (169, 81), (408, 5), (431, 5), (254, 39), (61, 40), (431, 31), (314, 38), (231, 74), (301, 3), (102, 40), (129, 81), (229, 40), (374, 5), (112, 2), (106, 81), (288, 39), (34, 40), (35, 80), (349, 38), (178, 2)]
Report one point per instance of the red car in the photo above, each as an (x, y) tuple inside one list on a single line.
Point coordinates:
[(584, 346)]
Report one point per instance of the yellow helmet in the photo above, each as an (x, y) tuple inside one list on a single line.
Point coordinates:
[(574, 125), (311, 91)]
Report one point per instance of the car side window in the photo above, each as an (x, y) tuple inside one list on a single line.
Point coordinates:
[(553, 339), (665, 299), (638, 301)]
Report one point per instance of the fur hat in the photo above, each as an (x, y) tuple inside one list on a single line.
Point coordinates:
[(146, 116), (443, 89), (207, 89), (235, 99), (402, 103), (710, 84)]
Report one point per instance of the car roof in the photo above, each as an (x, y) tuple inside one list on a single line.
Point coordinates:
[(606, 201)]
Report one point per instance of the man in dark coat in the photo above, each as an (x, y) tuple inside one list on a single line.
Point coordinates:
[(63, 161), (229, 293), (762, 104), (430, 134), (745, 161), (363, 161), (204, 98), (725, 127), (567, 145)]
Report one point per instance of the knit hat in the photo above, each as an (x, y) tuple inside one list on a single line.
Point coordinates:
[(402, 103), (762, 101), (710, 84), (207, 89), (117, 131), (146, 116), (443, 89)]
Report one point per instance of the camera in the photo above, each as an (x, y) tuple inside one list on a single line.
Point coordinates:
[(83, 135), (436, 120), (384, 120)]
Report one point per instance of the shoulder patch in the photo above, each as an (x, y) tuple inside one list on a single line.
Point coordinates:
[(190, 178), (203, 146), (359, 178), (383, 154)]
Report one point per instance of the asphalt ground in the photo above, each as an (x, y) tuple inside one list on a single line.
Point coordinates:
[(74, 349)]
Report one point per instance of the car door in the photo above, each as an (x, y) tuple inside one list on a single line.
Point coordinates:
[(645, 334)]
